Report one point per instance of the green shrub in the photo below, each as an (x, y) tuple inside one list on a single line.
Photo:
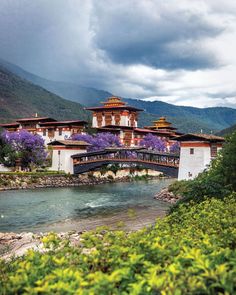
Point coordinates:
[(191, 251), (218, 181)]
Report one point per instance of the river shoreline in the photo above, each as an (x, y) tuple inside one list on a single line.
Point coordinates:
[(71, 212), (35, 181), (18, 243)]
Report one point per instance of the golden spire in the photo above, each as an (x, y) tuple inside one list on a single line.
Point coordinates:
[(114, 101), (161, 123)]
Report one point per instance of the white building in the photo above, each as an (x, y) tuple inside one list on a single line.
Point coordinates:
[(196, 153), (62, 150), (49, 128)]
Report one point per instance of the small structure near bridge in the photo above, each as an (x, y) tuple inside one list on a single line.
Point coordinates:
[(196, 153), (62, 150)]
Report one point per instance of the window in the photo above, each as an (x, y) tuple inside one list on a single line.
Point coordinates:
[(213, 150), (191, 151), (60, 131), (51, 132)]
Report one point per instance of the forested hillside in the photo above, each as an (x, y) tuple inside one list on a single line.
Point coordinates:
[(186, 119), (20, 98), (227, 131)]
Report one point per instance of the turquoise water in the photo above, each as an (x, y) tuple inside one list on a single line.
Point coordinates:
[(41, 209)]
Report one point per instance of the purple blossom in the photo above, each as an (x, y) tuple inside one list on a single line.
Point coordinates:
[(27, 146), (153, 142), (99, 141), (175, 148)]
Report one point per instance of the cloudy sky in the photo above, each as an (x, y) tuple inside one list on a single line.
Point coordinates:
[(178, 51)]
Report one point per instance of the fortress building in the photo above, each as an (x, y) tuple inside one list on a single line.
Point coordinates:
[(114, 112), (49, 128), (117, 117)]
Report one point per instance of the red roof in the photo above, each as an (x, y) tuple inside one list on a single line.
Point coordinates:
[(69, 142), (114, 108), (10, 125), (35, 119), (200, 137), (152, 131), (63, 122)]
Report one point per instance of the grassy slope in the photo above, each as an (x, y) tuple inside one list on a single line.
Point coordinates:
[(20, 98)]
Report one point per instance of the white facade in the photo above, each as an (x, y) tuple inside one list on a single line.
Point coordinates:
[(94, 122), (62, 161), (125, 120), (193, 160), (65, 134), (4, 168)]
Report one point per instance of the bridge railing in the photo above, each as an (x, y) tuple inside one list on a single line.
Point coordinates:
[(139, 156)]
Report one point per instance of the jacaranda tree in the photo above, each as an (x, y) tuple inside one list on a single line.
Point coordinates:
[(25, 145), (175, 148), (99, 141), (153, 142)]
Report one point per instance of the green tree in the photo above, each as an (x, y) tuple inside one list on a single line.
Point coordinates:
[(7, 154), (227, 163), (218, 181)]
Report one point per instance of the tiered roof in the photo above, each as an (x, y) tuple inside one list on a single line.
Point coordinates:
[(161, 123), (114, 103)]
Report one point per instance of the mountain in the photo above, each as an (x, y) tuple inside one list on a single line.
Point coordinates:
[(227, 131), (83, 95), (186, 119), (20, 98)]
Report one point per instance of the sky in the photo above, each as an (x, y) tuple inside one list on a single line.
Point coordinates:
[(178, 51)]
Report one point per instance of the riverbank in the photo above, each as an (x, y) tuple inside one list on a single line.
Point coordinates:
[(16, 181), (167, 196), (17, 244)]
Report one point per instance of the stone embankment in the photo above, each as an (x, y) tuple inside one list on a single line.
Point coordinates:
[(167, 196), (12, 181)]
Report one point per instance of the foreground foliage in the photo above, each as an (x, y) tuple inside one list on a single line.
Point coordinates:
[(191, 251)]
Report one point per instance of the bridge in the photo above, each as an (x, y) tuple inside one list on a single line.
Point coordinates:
[(165, 163)]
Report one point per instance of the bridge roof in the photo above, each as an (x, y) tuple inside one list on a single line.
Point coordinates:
[(130, 149)]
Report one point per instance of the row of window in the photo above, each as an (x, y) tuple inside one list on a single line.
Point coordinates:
[(213, 151)]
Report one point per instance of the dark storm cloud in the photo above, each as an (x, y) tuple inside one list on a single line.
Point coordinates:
[(133, 48), (46, 37), (155, 35)]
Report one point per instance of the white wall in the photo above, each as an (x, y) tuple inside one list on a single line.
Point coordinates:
[(65, 135), (124, 120), (191, 165), (63, 161), (94, 122), (4, 168)]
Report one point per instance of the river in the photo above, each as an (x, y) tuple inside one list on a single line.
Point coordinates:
[(119, 205)]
